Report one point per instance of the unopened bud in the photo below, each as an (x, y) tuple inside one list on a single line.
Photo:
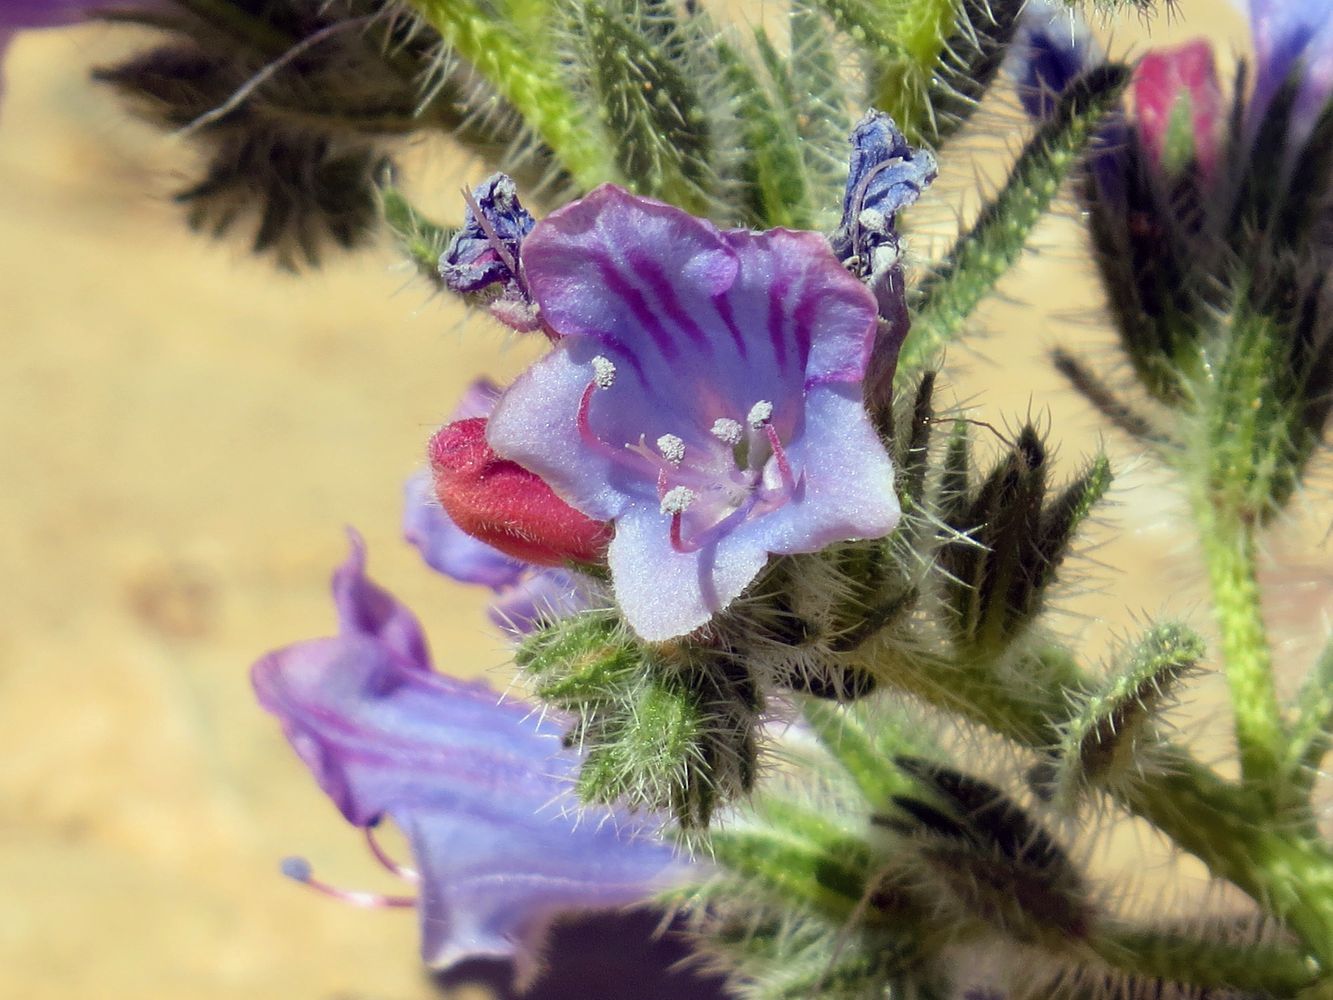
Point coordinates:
[(504, 505)]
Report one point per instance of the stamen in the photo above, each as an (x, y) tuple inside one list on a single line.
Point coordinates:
[(780, 455), (299, 870), (760, 414), (603, 372), (672, 448), (727, 431), (677, 500), (677, 542), (402, 871)]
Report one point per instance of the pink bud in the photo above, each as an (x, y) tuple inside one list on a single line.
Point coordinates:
[(1178, 106), (504, 505)]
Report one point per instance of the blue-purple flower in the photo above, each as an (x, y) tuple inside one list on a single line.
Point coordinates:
[(884, 175), (705, 397), (1051, 49), (478, 785)]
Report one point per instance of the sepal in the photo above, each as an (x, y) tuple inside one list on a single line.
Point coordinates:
[(1111, 736), (1008, 537), (666, 728), (982, 856)]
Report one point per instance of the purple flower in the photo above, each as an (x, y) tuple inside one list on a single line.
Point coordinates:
[(705, 397), (474, 783), (1293, 37), (1052, 48), (483, 257), (884, 176)]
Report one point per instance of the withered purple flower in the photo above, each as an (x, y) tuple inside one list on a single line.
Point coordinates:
[(483, 257), (476, 784), (705, 396), (885, 175)]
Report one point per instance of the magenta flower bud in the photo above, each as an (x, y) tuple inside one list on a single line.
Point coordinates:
[(1179, 108), (504, 505)]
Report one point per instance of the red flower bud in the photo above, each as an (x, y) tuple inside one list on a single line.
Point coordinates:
[(504, 505), (1178, 106)]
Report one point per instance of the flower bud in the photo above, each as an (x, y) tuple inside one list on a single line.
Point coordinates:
[(506, 506), (1178, 107)]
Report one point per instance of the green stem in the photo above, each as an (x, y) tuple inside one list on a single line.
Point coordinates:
[(1229, 552), (531, 85), (1310, 732)]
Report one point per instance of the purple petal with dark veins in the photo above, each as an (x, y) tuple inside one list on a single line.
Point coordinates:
[(700, 327), (476, 784)]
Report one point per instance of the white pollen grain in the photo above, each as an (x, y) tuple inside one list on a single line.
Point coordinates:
[(672, 448), (727, 431), (677, 500), (760, 414), (603, 372)]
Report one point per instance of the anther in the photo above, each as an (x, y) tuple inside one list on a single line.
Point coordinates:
[(677, 500), (760, 414), (672, 448), (299, 870), (603, 372), (727, 431)]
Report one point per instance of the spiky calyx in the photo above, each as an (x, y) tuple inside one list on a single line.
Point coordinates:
[(1112, 735), (1008, 540), (295, 108), (631, 58), (663, 728), (945, 299)]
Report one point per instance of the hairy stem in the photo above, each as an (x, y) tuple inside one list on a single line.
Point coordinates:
[(1229, 552), (530, 84)]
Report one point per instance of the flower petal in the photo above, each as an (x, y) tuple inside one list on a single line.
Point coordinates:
[(474, 783), (664, 593), (1291, 35), (364, 608), (848, 491)]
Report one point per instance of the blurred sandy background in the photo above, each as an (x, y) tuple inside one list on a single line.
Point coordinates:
[(184, 433)]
